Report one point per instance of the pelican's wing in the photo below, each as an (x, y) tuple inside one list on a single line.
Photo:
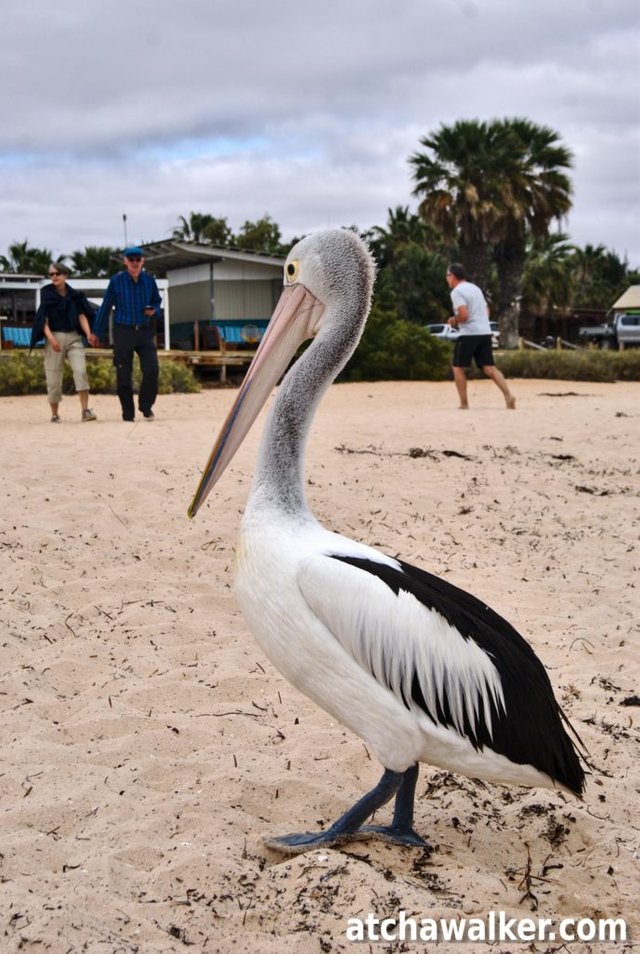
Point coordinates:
[(443, 651)]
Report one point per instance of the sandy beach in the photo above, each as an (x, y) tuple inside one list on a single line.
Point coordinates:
[(148, 745)]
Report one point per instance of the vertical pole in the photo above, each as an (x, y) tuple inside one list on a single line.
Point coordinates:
[(167, 319)]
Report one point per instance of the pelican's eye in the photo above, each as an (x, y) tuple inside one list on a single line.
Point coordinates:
[(291, 271)]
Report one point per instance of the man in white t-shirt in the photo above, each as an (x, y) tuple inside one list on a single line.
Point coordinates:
[(471, 319)]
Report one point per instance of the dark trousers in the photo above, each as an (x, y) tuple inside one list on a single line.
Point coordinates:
[(126, 341)]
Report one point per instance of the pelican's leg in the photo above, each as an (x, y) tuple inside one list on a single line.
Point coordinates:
[(401, 830), (347, 827)]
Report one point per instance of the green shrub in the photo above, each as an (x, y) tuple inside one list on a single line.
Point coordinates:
[(22, 373), (175, 378), (101, 374), (626, 364), (394, 349), (583, 365), (390, 349)]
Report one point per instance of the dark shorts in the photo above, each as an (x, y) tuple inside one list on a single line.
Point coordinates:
[(473, 347)]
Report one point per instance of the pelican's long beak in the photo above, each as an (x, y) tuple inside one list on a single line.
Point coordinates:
[(295, 319)]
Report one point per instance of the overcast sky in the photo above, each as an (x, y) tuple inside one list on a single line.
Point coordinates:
[(303, 109)]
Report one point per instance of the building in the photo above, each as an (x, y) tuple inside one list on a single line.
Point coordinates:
[(212, 297), (629, 301), (216, 295)]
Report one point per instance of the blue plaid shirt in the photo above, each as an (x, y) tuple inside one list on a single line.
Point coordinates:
[(130, 299)]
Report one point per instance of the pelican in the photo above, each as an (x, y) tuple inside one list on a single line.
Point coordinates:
[(419, 669)]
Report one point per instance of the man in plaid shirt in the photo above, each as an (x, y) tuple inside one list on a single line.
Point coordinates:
[(137, 302)]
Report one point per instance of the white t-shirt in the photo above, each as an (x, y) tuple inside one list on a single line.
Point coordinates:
[(466, 293)]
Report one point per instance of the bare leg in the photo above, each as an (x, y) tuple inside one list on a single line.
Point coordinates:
[(84, 399), (498, 377), (54, 409), (460, 378)]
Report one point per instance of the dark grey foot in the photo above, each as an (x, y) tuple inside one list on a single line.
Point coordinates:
[(349, 827), (307, 841), (396, 836)]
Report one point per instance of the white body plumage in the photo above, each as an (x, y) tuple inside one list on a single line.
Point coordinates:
[(324, 624)]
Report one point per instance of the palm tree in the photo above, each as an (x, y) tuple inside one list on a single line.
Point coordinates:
[(96, 261), (403, 227), (549, 276), (541, 193), (24, 259), (601, 276), (203, 228), (192, 229), (487, 186), (460, 179), (411, 266)]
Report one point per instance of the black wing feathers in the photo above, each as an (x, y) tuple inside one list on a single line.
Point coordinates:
[(532, 730)]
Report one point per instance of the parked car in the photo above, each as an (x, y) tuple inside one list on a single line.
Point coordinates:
[(444, 331), (495, 334), (621, 331)]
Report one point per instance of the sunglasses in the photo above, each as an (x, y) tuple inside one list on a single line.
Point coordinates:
[(54, 274), (134, 258)]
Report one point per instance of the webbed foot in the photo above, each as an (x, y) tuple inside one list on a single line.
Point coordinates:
[(306, 841), (396, 836)]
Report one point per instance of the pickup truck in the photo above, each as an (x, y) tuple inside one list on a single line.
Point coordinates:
[(622, 331)]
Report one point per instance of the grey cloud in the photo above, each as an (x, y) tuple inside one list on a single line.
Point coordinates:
[(305, 110)]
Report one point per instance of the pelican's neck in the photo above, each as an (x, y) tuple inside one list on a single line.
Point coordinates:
[(278, 481)]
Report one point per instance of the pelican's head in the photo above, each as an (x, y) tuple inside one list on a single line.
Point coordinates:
[(335, 267), (328, 281)]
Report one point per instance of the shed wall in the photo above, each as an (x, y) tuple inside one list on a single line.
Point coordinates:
[(248, 300)]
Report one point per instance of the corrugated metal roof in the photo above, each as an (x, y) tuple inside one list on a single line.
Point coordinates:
[(161, 256)]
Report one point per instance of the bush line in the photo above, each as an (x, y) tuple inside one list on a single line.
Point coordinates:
[(23, 373), (409, 354)]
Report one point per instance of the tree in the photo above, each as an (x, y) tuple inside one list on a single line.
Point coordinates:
[(460, 180), (487, 187), (393, 349), (261, 236), (541, 192), (193, 228), (95, 261), (549, 279), (403, 227), (217, 232), (411, 267), (26, 260), (600, 276)]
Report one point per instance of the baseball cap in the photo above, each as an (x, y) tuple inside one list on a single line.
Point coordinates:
[(133, 250)]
